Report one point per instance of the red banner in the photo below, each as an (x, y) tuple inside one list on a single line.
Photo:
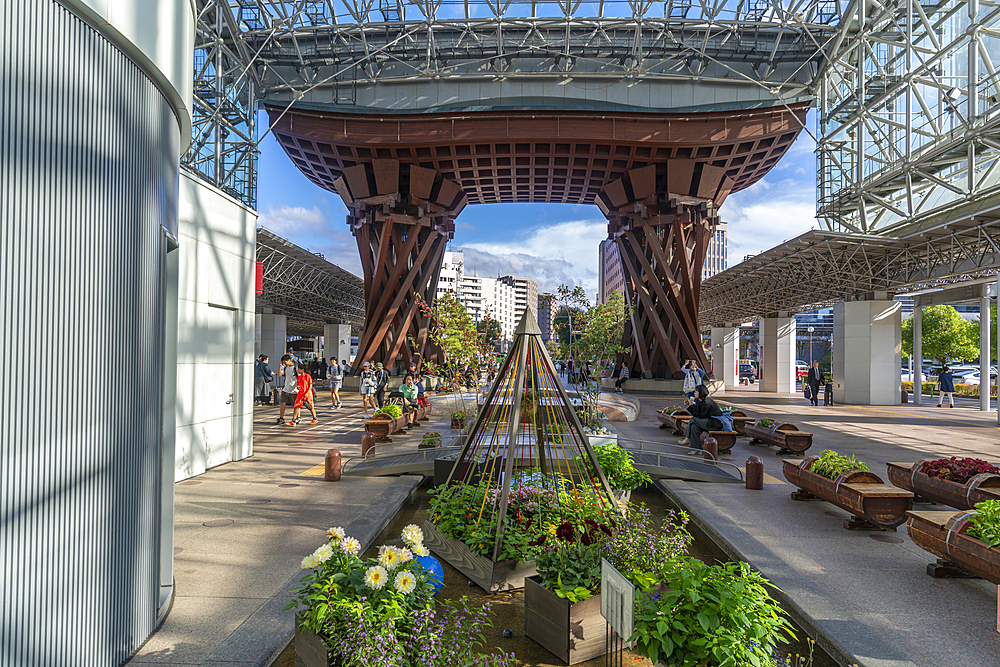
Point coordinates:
[(259, 278)]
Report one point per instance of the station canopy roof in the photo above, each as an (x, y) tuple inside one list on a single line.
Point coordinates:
[(306, 288), (819, 268)]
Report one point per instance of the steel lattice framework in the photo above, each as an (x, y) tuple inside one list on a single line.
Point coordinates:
[(308, 289), (909, 118)]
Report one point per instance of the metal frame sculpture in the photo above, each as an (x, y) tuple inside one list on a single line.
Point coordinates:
[(501, 432)]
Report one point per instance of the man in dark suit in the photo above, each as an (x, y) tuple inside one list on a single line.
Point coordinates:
[(815, 380)]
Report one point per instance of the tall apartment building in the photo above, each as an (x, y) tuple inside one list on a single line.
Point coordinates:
[(715, 260), (452, 271), (525, 292), (610, 270), (547, 319)]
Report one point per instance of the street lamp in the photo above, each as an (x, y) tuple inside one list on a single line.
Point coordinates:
[(810, 330)]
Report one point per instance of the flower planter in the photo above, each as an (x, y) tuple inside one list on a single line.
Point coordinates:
[(875, 505), (609, 439), (457, 424), (571, 631), (489, 575), (740, 421), (382, 425), (311, 650), (944, 535), (423, 413), (963, 496), (677, 421), (789, 440)]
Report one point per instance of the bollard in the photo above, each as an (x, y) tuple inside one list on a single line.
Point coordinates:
[(331, 473), (711, 445), (367, 443), (755, 473)]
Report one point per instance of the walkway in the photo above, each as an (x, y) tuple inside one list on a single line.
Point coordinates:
[(865, 596), (243, 528)]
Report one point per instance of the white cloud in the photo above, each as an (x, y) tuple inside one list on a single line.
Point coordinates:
[(560, 253), (768, 213), (317, 229)]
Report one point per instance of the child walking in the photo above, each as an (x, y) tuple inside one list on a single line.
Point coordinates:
[(306, 396)]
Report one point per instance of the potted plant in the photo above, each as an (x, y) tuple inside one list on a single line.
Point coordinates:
[(619, 469), (385, 421), (430, 440), (562, 603), (959, 482), (458, 420)]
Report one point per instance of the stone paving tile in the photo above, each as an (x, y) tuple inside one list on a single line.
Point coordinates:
[(869, 596)]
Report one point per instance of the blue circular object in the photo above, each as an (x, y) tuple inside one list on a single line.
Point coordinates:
[(434, 570)]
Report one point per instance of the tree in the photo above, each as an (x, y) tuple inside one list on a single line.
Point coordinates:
[(490, 330), (946, 335), (572, 303), (600, 340)]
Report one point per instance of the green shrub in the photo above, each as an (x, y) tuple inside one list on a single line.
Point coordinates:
[(832, 465), (393, 410), (617, 466), (985, 525)]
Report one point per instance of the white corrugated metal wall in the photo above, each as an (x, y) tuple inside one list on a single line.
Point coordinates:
[(88, 184)]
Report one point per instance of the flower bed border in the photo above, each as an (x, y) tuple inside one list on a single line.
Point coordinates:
[(985, 486), (571, 631), (944, 535), (491, 576), (875, 504)]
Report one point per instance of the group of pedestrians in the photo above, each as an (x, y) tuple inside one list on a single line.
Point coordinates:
[(375, 379)]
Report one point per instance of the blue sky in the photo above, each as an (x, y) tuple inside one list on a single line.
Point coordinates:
[(552, 243)]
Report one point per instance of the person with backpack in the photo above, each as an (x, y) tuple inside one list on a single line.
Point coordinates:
[(690, 381), (381, 382), (367, 379), (289, 388), (336, 381)]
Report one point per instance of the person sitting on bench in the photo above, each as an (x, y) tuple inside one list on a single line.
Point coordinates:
[(705, 416)]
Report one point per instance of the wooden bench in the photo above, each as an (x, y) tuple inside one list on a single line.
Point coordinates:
[(789, 440), (726, 440), (963, 496), (945, 535), (874, 504), (677, 421)]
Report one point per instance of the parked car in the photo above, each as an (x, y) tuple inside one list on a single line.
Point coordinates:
[(801, 369), (907, 377), (747, 373), (974, 378)]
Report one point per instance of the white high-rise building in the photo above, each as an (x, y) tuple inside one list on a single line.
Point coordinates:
[(610, 271)]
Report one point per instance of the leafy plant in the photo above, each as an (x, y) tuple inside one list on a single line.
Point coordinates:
[(433, 436), (957, 470), (458, 415), (566, 567), (641, 545), (832, 465), (618, 467), (985, 524), (709, 615), (766, 423), (393, 410), (675, 409)]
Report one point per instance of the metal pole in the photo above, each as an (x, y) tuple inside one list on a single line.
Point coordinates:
[(918, 351), (984, 349)]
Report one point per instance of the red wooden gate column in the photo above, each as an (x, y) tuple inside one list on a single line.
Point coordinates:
[(402, 217), (662, 217)]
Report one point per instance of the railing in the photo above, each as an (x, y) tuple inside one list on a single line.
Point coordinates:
[(679, 453), (426, 455)]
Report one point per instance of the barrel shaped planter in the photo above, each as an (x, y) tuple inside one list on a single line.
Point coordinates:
[(740, 420), (423, 413), (457, 424), (963, 496), (572, 631), (677, 421), (382, 425), (944, 534), (489, 575), (786, 437), (862, 493)]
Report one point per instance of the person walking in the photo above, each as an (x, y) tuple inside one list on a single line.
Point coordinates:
[(336, 381), (346, 366), (289, 388), (367, 378), (305, 396), (261, 376), (815, 380), (381, 381), (705, 417), (323, 368), (946, 385), (623, 377)]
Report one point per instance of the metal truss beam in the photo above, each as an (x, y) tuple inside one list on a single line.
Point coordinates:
[(307, 288)]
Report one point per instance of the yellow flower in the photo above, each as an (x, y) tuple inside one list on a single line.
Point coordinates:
[(388, 558), (311, 561), (405, 582), (335, 534), (376, 577), (552, 529)]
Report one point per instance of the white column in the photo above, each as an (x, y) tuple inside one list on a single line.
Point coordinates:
[(273, 337), (778, 363), (725, 353), (867, 355), (918, 350), (984, 350), (337, 341)]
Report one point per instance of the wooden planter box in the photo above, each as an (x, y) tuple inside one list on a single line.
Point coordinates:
[(677, 421), (457, 424), (789, 440), (491, 576), (740, 420), (423, 412), (311, 650), (572, 631), (963, 496), (863, 494), (382, 425), (944, 535)]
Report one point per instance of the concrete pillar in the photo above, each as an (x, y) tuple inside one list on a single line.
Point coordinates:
[(273, 337), (777, 335), (918, 351), (337, 341), (984, 350), (867, 352), (725, 354)]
